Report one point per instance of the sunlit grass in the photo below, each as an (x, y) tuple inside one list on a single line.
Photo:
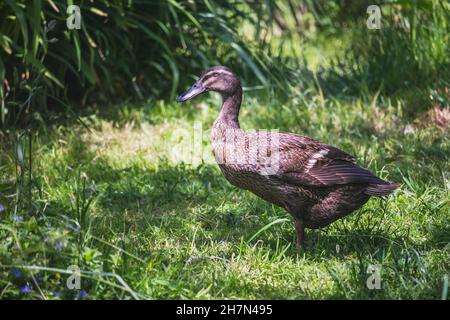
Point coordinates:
[(174, 230)]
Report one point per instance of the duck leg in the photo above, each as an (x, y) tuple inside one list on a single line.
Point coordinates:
[(300, 228)]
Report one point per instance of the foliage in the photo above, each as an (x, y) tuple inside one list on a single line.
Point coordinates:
[(408, 58), (412, 51), (128, 48), (137, 49)]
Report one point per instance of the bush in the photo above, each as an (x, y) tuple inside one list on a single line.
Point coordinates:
[(136, 49), (123, 49)]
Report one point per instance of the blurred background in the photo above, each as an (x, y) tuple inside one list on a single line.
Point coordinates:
[(88, 121)]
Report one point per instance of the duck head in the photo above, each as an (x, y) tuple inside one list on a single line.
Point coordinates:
[(219, 79)]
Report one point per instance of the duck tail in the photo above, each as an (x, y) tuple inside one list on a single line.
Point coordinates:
[(379, 190)]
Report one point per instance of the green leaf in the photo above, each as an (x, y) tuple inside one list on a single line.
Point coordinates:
[(267, 226), (23, 24)]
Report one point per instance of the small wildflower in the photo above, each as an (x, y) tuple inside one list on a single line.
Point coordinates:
[(2, 208), (80, 295), (75, 229), (17, 219), (26, 289), (56, 294), (15, 272)]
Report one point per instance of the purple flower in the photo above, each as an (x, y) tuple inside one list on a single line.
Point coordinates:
[(2, 208), (56, 294), (80, 295), (75, 229), (15, 272), (26, 289), (17, 219)]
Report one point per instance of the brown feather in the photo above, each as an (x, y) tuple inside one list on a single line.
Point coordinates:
[(315, 182)]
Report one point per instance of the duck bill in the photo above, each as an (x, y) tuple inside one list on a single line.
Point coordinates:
[(194, 91)]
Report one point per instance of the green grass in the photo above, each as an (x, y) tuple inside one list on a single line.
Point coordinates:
[(109, 195), (174, 230)]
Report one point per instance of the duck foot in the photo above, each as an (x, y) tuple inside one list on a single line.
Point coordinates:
[(300, 228)]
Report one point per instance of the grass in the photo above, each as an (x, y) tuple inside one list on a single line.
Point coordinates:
[(140, 224), (126, 195)]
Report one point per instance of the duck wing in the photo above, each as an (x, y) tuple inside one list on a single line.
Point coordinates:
[(304, 161)]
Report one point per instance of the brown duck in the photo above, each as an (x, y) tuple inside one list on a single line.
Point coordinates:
[(316, 183)]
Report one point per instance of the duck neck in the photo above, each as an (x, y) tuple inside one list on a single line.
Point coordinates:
[(229, 115)]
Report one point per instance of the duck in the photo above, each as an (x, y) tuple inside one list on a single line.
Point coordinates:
[(315, 183)]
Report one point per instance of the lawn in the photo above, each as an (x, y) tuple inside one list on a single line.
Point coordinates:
[(140, 222)]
